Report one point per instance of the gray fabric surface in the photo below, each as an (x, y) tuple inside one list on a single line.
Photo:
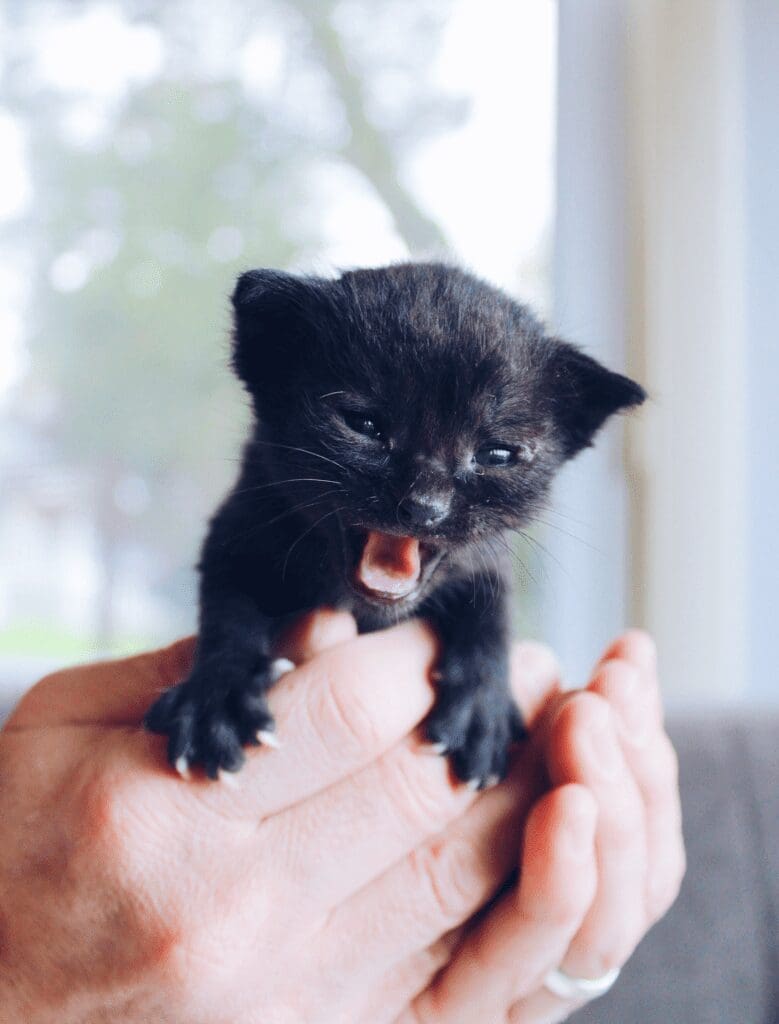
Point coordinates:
[(715, 958)]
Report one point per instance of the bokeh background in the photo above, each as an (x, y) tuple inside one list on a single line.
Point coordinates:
[(612, 163)]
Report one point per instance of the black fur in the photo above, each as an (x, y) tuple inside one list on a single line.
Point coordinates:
[(446, 367)]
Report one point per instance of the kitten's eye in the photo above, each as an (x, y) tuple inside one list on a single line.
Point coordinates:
[(362, 424), (496, 456)]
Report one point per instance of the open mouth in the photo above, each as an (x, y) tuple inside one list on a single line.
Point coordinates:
[(389, 568)]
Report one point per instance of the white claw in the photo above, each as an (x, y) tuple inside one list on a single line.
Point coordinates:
[(473, 784), (229, 779), (493, 780), (279, 667), (268, 738), (182, 767), (438, 748)]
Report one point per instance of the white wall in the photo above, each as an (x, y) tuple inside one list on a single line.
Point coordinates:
[(667, 264), (761, 65), (586, 579)]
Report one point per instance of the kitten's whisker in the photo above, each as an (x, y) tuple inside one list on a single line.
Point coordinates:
[(486, 575), (302, 506), (516, 557), (304, 451), (557, 510), (545, 551), (567, 533), (305, 533), (292, 480), (403, 498), (496, 579), (256, 527)]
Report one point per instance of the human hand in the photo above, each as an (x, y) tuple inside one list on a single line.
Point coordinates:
[(97, 833), (326, 887), (603, 854)]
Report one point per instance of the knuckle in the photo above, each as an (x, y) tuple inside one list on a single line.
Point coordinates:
[(162, 949), (603, 955), (582, 711), (101, 796), (447, 873), (342, 719), (613, 955), (623, 828), (109, 849), (419, 786), (112, 828)]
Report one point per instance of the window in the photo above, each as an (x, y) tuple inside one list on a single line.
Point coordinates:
[(149, 157)]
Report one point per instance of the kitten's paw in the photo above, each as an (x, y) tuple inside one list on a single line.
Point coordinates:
[(208, 723), (475, 726)]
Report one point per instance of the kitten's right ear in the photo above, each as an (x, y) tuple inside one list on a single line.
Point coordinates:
[(583, 394), (274, 315)]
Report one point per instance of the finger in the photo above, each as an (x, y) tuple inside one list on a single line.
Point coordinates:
[(107, 692), (653, 763), (314, 633), (542, 1008), (583, 747), (119, 692), (441, 882), (528, 932), (535, 678), (403, 981), (334, 715), (637, 647), (399, 800)]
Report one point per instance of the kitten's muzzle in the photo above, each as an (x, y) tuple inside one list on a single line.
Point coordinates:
[(423, 511)]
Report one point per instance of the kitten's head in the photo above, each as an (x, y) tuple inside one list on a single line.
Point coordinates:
[(418, 408)]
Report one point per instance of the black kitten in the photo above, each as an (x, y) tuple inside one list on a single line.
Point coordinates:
[(406, 418)]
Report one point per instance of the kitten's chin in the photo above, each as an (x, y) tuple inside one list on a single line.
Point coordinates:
[(388, 569)]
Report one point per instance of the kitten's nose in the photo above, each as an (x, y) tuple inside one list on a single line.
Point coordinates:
[(423, 510)]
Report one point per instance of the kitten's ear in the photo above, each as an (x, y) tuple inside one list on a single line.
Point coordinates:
[(583, 394), (274, 315)]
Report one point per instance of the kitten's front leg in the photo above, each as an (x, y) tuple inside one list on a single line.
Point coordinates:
[(475, 719), (221, 705)]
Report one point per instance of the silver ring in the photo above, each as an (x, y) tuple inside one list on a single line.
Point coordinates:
[(567, 987)]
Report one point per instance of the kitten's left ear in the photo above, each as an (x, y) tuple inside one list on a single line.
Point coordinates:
[(583, 395), (275, 314)]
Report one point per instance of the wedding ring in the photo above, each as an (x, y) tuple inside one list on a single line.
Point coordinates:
[(566, 986)]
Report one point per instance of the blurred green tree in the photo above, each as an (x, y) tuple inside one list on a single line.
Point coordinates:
[(139, 225)]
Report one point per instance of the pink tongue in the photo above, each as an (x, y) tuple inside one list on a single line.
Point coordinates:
[(389, 565)]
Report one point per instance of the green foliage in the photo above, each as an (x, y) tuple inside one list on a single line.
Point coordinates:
[(135, 234)]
